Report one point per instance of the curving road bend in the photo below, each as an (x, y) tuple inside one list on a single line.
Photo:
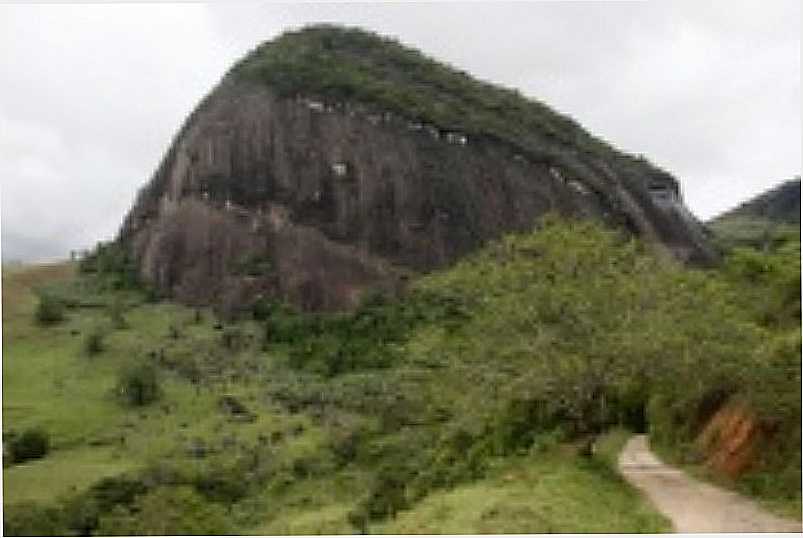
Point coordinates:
[(691, 505)]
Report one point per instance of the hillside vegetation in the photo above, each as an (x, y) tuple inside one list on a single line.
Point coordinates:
[(764, 222), (469, 405), (345, 65)]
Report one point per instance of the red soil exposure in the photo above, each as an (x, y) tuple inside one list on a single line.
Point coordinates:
[(729, 440)]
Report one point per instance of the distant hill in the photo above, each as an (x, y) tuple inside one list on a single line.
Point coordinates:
[(779, 204), (761, 221), (17, 247)]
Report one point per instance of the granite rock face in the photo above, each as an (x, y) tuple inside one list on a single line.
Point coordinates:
[(313, 202)]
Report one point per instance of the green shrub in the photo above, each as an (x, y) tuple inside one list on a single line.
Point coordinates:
[(82, 513), (368, 338), (94, 342), (117, 490), (78, 515), (167, 510), (49, 311), (152, 294), (286, 326), (232, 338), (769, 282), (346, 443), (262, 309), (32, 444), (33, 519), (222, 486), (116, 310), (387, 495), (358, 518), (112, 263), (138, 384)]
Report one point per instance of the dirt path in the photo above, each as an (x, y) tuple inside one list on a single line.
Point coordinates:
[(691, 505)]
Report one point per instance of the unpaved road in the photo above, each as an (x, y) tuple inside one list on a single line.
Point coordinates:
[(691, 505)]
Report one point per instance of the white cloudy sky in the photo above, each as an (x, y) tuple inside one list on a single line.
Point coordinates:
[(91, 94)]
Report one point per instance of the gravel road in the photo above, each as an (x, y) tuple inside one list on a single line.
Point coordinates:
[(691, 505)]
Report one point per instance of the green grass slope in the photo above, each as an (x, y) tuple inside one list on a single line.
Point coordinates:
[(469, 405)]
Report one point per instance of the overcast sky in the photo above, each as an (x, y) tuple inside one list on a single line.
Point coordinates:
[(91, 94)]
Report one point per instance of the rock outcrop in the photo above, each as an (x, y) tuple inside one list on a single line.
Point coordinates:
[(301, 194)]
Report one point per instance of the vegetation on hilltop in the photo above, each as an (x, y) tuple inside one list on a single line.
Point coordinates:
[(350, 65), (465, 406)]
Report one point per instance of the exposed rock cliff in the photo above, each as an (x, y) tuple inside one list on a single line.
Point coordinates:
[(331, 161)]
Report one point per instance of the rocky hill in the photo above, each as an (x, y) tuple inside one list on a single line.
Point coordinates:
[(330, 161)]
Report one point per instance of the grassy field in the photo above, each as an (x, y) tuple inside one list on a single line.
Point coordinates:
[(544, 493), (551, 490), (52, 382)]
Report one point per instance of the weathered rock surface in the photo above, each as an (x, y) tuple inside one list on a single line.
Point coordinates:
[(314, 202)]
